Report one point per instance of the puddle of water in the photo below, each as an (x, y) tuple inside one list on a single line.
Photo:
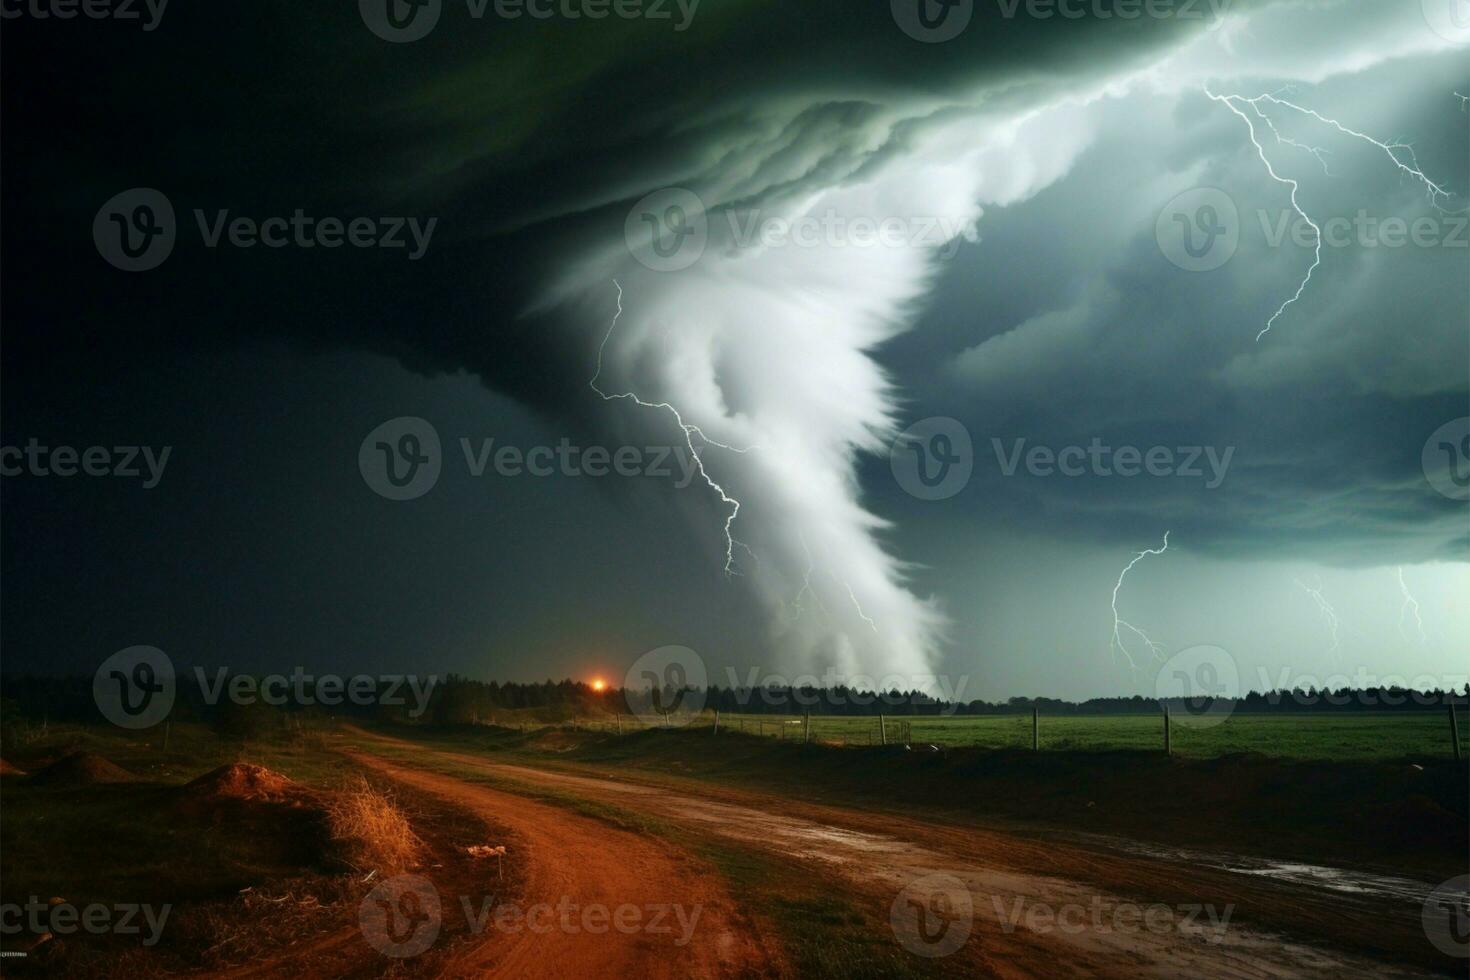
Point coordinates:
[(1333, 879), (1358, 883), (821, 834)]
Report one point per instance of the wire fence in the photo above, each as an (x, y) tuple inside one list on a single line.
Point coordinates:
[(1305, 735)]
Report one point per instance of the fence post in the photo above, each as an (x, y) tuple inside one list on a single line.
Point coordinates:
[(620, 723), (806, 735), (882, 731), (717, 721), (1168, 746), (1454, 730), (1035, 729)]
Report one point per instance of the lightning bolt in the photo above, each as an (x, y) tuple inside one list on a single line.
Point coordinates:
[(690, 432), (806, 589), (859, 607), (1120, 624), (1409, 603), (1229, 101), (1329, 615), (1434, 192), (806, 583), (1401, 154), (1318, 152)]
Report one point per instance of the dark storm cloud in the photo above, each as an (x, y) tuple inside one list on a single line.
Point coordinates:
[(1069, 325), (519, 136), (529, 141)]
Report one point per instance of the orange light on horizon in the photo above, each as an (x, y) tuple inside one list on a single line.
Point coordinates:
[(598, 684)]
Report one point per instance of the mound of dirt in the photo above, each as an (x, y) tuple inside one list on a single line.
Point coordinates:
[(243, 781), (6, 769), (279, 817), (81, 769)]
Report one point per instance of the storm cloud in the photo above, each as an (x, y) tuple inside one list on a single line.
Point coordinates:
[(893, 229)]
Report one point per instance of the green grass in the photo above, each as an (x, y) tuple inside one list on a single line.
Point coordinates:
[(1357, 736)]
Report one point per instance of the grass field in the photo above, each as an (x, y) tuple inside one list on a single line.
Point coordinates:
[(1360, 735)]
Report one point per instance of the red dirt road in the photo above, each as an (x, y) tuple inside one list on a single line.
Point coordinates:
[(1015, 886), (579, 861)]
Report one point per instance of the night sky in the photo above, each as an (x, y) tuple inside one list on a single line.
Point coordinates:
[(1034, 167)]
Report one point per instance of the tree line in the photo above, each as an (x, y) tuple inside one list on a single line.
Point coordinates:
[(456, 699)]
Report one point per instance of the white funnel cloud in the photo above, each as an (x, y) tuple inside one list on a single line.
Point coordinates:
[(814, 256)]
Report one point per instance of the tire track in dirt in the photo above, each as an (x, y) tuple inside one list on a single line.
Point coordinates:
[(1001, 873), (587, 862)]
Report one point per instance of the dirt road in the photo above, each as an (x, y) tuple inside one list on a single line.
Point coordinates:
[(1033, 906), (687, 925)]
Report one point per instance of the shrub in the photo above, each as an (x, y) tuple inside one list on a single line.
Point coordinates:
[(370, 829)]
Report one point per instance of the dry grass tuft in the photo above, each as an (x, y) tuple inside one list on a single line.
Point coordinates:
[(373, 833)]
